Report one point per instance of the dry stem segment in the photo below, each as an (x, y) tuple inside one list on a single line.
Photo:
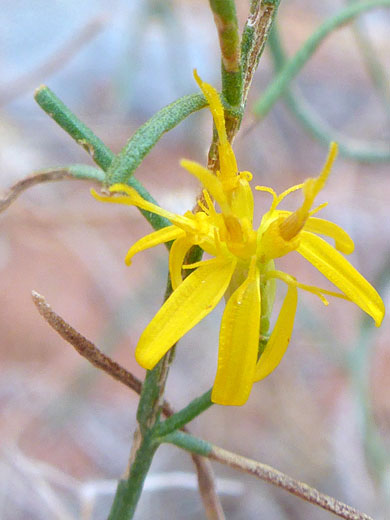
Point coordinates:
[(37, 178), (260, 19), (90, 352), (295, 487)]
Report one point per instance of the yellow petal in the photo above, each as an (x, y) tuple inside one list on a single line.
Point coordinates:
[(343, 242), (215, 106), (227, 161), (344, 276), (176, 257), (154, 239), (132, 198), (195, 297), (209, 181), (278, 342), (242, 203), (238, 343)]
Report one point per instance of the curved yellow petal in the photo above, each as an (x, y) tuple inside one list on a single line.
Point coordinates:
[(154, 239), (176, 257), (342, 274), (209, 181), (238, 343), (132, 198), (242, 202), (195, 297), (215, 105), (278, 342), (227, 159), (343, 242)]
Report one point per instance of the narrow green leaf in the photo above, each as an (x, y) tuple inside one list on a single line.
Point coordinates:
[(140, 144)]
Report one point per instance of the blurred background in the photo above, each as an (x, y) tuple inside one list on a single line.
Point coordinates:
[(324, 415)]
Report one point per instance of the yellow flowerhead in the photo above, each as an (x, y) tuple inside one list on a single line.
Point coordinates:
[(242, 267)]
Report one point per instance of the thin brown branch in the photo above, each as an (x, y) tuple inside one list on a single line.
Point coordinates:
[(37, 178), (55, 62), (206, 484), (90, 352), (260, 22), (295, 487)]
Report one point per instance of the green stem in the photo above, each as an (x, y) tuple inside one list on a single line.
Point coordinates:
[(99, 152), (129, 490), (85, 172), (143, 140), (293, 67), (144, 445), (315, 125), (184, 416), (83, 136), (372, 63), (188, 442), (225, 17)]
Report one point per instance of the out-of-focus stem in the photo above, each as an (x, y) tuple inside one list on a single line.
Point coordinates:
[(295, 64), (315, 125)]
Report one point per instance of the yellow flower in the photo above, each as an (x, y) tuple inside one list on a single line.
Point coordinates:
[(241, 267)]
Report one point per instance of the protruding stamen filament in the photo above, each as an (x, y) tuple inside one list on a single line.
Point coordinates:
[(292, 225)]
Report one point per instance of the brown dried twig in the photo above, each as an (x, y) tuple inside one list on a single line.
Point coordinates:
[(260, 20), (90, 352), (37, 178), (266, 473), (293, 486)]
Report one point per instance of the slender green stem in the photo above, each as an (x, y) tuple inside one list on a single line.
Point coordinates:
[(293, 67), (359, 364), (83, 136), (184, 416), (129, 490), (315, 125), (225, 17), (372, 63), (188, 442), (143, 140), (85, 172), (144, 444), (99, 152)]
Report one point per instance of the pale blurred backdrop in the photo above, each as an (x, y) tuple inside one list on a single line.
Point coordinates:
[(324, 415)]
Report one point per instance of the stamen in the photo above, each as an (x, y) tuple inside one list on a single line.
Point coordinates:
[(209, 202), (292, 225), (246, 176), (272, 192), (317, 209), (288, 191), (291, 280), (202, 206)]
